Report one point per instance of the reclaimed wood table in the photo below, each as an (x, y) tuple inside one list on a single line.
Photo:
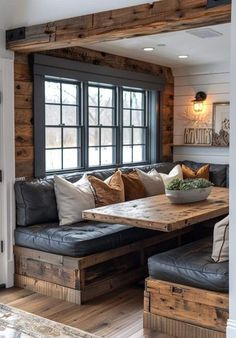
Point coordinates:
[(157, 212)]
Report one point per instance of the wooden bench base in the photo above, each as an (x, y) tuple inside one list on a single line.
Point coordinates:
[(80, 279), (184, 312)]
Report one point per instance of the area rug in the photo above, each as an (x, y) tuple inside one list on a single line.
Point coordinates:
[(15, 323)]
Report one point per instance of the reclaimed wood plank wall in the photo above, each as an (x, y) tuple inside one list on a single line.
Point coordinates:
[(24, 100)]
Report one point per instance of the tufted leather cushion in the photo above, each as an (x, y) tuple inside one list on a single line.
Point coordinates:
[(80, 239), (191, 265)]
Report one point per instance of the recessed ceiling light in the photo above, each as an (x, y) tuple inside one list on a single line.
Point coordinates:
[(183, 56), (148, 49)]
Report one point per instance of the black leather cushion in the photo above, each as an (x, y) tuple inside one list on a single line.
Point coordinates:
[(36, 201), (77, 240), (218, 172), (191, 265)]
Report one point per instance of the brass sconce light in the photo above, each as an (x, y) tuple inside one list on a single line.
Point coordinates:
[(198, 102)]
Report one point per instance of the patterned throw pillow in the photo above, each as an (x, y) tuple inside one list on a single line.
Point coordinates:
[(220, 251), (107, 192), (202, 172)]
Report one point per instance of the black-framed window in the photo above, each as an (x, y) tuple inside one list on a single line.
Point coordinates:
[(135, 126), (89, 116), (63, 125), (102, 125)]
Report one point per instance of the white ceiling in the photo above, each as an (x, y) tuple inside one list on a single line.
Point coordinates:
[(16, 13), (200, 51)]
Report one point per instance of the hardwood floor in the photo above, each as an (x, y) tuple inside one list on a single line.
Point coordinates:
[(117, 315)]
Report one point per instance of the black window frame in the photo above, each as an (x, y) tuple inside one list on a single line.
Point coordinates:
[(46, 67)]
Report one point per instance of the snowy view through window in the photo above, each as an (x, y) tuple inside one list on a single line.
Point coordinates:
[(65, 134)]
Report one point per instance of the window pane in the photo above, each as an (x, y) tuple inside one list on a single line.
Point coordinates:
[(139, 136), (69, 115), (138, 117), (107, 156), (52, 114), (53, 137), (137, 100), (127, 154), (106, 117), (93, 96), (126, 99), (53, 160), (139, 153), (106, 136), (70, 158), (126, 117), (52, 92), (127, 136), (70, 137), (93, 116), (69, 93), (106, 97), (93, 136), (93, 157)]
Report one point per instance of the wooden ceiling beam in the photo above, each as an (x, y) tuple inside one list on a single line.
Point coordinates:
[(159, 17)]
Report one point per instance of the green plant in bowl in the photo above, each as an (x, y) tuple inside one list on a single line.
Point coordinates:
[(189, 190)]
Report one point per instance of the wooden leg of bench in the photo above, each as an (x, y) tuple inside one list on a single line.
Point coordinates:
[(177, 328)]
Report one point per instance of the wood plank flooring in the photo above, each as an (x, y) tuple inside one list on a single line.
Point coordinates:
[(117, 315)]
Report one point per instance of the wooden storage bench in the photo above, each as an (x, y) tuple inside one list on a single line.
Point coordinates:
[(185, 312), (80, 279)]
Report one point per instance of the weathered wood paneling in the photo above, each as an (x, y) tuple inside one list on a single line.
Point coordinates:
[(24, 108), (158, 17)]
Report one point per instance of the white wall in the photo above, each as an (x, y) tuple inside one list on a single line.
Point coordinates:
[(7, 162), (231, 329), (214, 80)]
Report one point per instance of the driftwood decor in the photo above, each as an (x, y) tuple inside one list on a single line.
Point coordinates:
[(221, 124)]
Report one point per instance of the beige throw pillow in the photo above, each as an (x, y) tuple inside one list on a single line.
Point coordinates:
[(72, 199), (176, 172), (152, 182), (220, 251)]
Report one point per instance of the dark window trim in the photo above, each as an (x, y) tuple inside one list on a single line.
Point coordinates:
[(44, 66)]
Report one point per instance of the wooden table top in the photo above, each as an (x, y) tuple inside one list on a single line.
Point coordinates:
[(157, 213)]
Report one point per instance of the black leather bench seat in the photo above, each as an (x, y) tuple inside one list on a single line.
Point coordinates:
[(191, 265), (80, 239)]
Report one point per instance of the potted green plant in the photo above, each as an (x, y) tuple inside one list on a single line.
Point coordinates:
[(188, 191)]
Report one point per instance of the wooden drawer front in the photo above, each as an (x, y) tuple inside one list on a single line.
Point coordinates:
[(195, 306), (52, 273)]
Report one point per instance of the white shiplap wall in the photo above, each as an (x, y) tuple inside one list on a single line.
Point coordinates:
[(214, 80)]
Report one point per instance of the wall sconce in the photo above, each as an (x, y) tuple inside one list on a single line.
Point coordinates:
[(198, 102)]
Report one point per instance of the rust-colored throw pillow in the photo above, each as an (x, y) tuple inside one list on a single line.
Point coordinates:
[(134, 187), (107, 192), (202, 172)]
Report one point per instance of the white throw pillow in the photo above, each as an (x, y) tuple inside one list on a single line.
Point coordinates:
[(176, 172), (220, 250), (72, 199), (152, 182)]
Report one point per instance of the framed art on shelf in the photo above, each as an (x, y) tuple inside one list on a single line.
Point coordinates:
[(221, 124)]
